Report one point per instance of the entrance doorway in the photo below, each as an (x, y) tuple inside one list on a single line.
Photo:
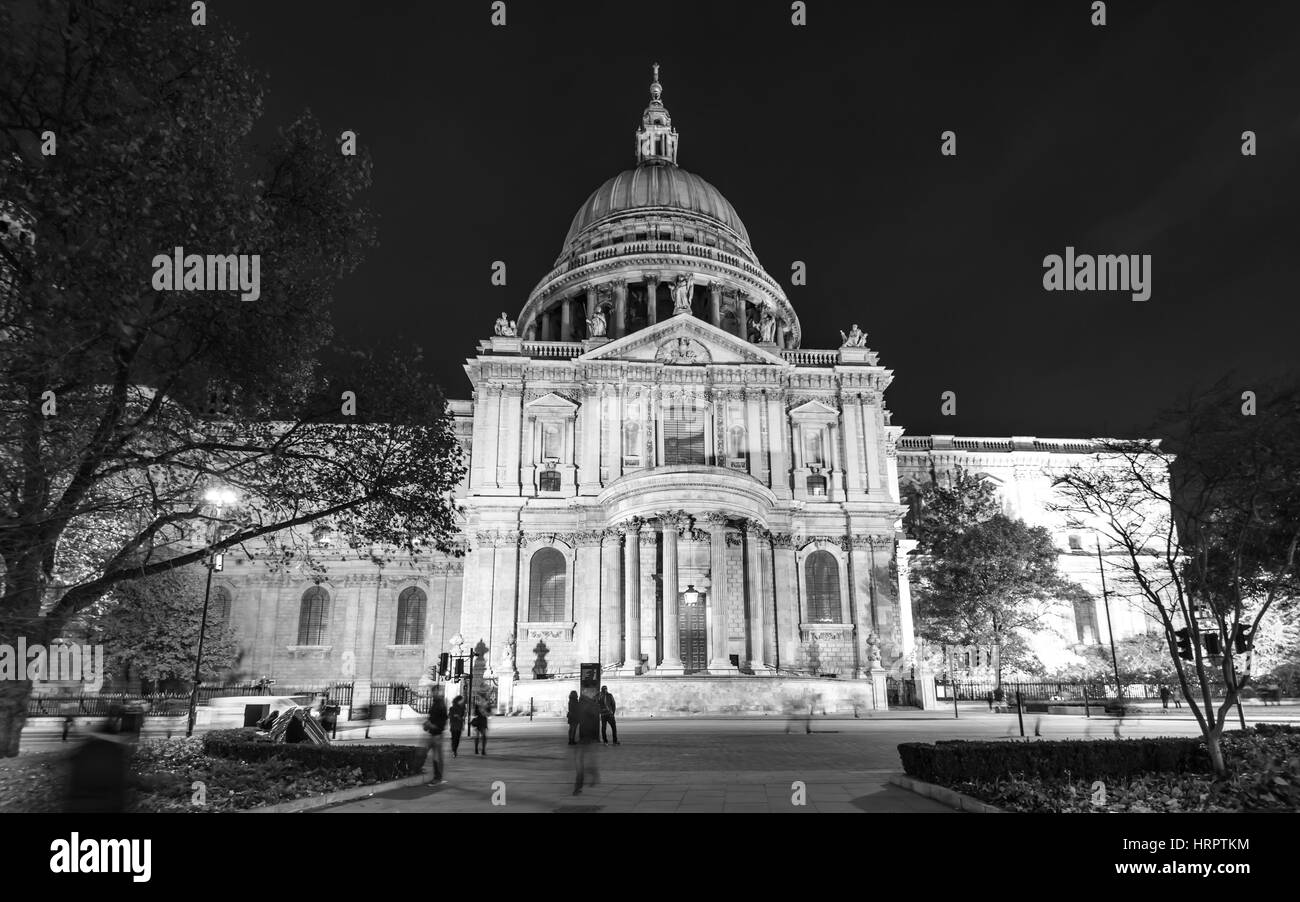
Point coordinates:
[(695, 654)]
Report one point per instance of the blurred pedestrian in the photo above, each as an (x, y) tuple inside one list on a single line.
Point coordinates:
[(1164, 697), (100, 770), (457, 720), (585, 752), (607, 709), (479, 723), (573, 717), (435, 726)]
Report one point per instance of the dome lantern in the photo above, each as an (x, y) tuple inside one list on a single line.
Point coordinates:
[(656, 139)]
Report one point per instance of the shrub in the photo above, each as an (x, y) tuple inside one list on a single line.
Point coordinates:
[(963, 762), (376, 763)]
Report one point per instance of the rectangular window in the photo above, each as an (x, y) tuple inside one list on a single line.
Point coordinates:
[(683, 437), (551, 441)]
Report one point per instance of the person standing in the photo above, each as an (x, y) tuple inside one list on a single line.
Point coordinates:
[(456, 716), (573, 717), (1164, 697), (434, 726), (607, 709), (479, 723), (584, 754)]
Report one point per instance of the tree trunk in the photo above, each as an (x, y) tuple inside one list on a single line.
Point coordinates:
[(13, 714), (1216, 752)]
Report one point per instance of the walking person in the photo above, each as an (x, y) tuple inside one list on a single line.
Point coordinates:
[(456, 717), (584, 753), (607, 709), (573, 717), (1164, 697), (479, 723), (435, 726)]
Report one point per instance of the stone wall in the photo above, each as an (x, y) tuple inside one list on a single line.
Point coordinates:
[(686, 696)]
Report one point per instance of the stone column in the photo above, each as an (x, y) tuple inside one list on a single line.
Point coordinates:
[(588, 456), (853, 468), (719, 661), (586, 598), (754, 433), (651, 300), (510, 438), (787, 596), (754, 595), (548, 325), (631, 598), (715, 303), (611, 596), (620, 308), (672, 663), (778, 441), (742, 315), (566, 319)]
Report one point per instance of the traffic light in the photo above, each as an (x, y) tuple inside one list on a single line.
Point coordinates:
[(460, 668), (1213, 646), (1185, 644), (1240, 639), (444, 660)]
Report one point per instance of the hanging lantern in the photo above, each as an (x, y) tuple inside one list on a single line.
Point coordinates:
[(690, 597)]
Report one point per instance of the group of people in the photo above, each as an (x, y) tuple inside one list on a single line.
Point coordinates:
[(441, 717), (589, 719)]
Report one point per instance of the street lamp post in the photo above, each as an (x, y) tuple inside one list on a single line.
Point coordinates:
[(214, 563), (1110, 626), (219, 498)]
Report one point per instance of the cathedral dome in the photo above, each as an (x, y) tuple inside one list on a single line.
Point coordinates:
[(654, 185)]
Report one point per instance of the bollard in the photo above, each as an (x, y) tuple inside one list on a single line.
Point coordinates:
[(1087, 711), (1020, 713)]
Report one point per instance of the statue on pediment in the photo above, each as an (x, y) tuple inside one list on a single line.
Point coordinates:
[(505, 327), (681, 292), (855, 339), (596, 324)]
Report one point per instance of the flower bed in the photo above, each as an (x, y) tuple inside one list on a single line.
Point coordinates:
[(166, 772), (1264, 766)]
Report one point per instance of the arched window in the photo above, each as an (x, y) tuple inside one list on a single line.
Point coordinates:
[(822, 573), (546, 586), (219, 606), (410, 616), (313, 616)]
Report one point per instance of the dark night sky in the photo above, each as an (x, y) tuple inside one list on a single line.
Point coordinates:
[(1122, 139)]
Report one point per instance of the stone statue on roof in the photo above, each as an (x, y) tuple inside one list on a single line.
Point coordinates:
[(505, 327), (681, 292), (855, 339), (596, 324)]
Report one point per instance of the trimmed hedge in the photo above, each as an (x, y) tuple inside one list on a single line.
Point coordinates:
[(377, 763), (974, 761)]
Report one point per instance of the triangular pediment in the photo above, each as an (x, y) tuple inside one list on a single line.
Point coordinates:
[(814, 410), (684, 341), (552, 401)]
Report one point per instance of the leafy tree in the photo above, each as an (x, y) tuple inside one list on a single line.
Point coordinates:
[(1208, 526), (984, 584), (150, 630), (938, 510), (162, 395)]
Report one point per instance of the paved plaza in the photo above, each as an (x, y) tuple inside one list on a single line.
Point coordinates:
[(724, 765)]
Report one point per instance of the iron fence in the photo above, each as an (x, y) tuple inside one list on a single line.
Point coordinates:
[(1041, 691), (167, 704)]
